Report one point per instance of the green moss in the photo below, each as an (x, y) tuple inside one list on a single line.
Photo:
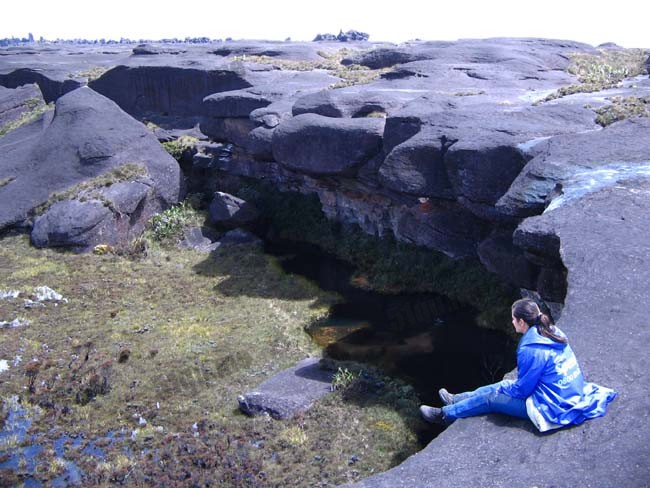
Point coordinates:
[(623, 108), (36, 109), (178, 146), (117, 174), (597, 72), (384, 264)]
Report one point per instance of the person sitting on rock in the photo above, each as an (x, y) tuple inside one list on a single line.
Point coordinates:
[(550, 389)]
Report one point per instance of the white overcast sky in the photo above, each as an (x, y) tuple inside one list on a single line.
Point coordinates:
[(593, 22)]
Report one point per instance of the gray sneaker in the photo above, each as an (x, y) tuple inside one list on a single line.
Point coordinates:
[(446, 397), (432, 415)]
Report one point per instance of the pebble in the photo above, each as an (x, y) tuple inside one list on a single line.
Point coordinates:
[(4, 365)]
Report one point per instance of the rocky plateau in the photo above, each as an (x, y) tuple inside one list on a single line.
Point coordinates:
[(462, 147)]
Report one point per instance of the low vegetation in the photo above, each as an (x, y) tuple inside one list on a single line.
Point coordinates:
[(168, 226), (35, 107), (91, 73), (179, 146), (117, 174), (622, 108), (607, 68), (350, 75), (142, 368)]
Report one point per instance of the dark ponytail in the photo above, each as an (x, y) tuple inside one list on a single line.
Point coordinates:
[(528, 310)]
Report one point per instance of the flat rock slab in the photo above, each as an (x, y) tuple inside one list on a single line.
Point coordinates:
[(289, 392)]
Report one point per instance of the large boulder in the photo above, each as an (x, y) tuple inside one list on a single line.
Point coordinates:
[(417, 166), (111, 215), (352, 101), (86, 145), (230, 211), (315, 144)]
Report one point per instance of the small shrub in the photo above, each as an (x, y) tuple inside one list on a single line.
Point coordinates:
[(342, 379), (169, 224)]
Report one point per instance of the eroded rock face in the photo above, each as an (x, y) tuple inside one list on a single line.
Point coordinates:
[(52, 89), (166, 90), (86, 136)]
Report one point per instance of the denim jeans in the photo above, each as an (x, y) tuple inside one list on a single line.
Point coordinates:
[(486, 399)]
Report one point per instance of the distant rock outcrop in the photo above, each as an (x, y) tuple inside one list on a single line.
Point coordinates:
[(351, 35)]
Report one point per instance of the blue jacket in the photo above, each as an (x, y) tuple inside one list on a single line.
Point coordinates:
[(551, 380)]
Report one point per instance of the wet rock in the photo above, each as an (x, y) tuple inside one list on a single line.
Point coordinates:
[(315, 144), (230, 211), (289, 392), (569, 166), (239, 236)]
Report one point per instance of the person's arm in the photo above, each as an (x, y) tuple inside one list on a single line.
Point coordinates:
[(530, 366)]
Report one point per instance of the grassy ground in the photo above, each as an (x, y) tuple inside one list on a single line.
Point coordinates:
[(153, 352), (602, 70)]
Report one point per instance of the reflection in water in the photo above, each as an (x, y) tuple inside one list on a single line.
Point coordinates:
[(426, 339)]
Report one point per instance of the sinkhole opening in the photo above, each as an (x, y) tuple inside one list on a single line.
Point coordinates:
[(425, 339)]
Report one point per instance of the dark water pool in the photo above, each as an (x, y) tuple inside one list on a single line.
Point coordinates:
[(424, 338)]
